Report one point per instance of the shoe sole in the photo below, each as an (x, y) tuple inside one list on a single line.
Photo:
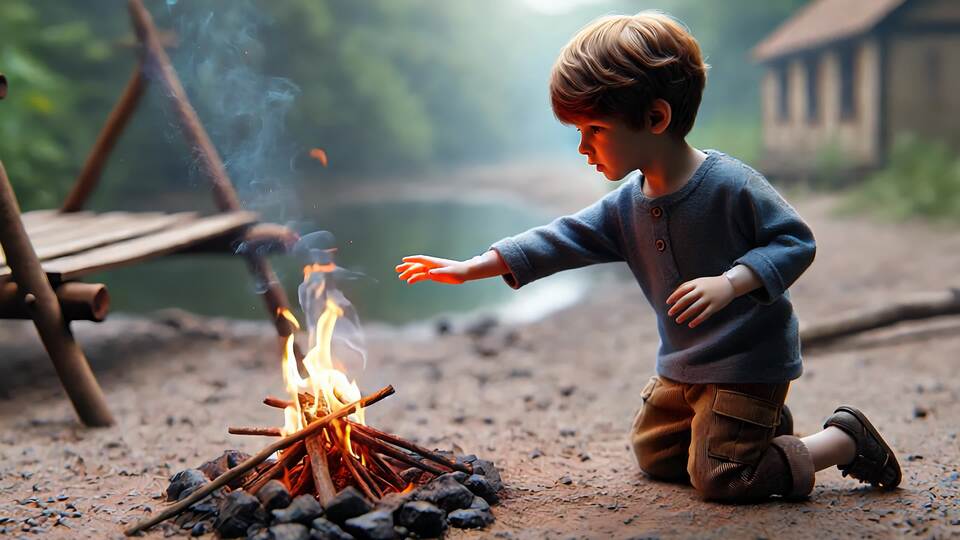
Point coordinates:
[(876, 435)]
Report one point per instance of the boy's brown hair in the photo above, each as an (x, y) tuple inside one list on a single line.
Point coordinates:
[(619, 64)]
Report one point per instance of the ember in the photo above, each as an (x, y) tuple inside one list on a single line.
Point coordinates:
[(329, 470)]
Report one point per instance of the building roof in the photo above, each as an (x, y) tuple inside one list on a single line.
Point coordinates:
[(821, 22)]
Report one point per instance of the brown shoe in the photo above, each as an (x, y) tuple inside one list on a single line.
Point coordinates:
[(875, 462), (785, 427)]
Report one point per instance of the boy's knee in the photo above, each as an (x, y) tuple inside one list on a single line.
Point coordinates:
[(670, 468)]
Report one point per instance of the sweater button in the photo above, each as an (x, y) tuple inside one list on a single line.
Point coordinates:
[(661, 245), (656, 211)]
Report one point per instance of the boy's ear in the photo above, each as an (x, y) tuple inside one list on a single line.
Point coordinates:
[(659, 116)]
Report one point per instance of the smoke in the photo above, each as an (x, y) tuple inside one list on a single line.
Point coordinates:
[(220, 61)]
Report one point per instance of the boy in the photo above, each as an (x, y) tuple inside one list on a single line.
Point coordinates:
[(714, 248)]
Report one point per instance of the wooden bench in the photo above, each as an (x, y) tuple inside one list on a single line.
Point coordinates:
[(44, 252)]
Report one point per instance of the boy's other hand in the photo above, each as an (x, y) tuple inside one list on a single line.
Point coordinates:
[(700, 298), (421, 267)]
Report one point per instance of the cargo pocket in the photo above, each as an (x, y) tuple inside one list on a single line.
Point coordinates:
[(742, 427), (644, 396)]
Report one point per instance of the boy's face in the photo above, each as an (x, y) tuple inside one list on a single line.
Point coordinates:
[(615, 148)]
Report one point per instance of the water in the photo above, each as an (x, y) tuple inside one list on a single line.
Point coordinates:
[(372, 239)]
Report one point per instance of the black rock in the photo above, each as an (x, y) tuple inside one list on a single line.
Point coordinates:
[(303, 509), (486, 469), (349, 503), (289, 531), (481, 327), (238, 511), (422, 518), (258, 532), (445, 492), (324, 529), (228, 460), (393, 501), (377, 525), (479, 504), (411, 475), (459, 476), (185, 480), (274, 495), (199, 529), (400, 532), (481, 487), (470, 519)]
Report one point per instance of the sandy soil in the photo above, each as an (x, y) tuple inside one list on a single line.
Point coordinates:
[(550, 402)]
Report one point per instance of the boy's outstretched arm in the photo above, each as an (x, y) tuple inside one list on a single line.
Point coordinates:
[(421, 267)]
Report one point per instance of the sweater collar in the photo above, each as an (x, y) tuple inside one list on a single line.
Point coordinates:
[(683, 192)]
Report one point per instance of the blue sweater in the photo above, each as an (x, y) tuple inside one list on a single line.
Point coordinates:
[(726, 214)]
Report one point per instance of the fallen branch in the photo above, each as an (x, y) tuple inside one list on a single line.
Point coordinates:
[(249, 464), (919, 306), (261, 431)]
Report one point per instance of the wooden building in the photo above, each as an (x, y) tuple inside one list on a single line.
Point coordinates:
[(843, 77)]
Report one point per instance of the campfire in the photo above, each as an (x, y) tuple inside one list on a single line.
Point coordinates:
[(327, 461)]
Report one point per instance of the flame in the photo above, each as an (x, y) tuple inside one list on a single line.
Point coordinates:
[(319, 155), (408, 489), (331, 388)]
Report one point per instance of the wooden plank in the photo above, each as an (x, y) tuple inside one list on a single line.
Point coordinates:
[(145, 247), (129, 228), (57, 221), (71, 231)]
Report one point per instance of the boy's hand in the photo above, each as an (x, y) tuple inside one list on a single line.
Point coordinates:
[(421, 267), (700, 298)]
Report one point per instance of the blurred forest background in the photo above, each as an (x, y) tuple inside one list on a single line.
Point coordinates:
[(391, 90), (384, 86)]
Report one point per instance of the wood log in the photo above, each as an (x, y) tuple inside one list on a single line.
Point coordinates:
[(390, 475), (321, 469), (361, 482), (261, 431), (78, 301), (242, 468), (276, 402), (290, 457), (378, 446), (413, 447), (67, 357), (918, 306)]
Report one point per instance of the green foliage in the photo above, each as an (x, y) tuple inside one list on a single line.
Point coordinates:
[(49, 54), (922, 179)]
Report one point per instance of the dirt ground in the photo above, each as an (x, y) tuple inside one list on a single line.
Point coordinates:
[(550, 402)]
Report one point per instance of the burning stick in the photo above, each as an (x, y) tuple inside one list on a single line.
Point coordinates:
[(249, 464), (413, 447), (290, 457), (321, 469), (261, 431)]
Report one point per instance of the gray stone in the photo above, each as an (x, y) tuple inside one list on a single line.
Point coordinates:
[(376, 525), (422, 518), (349, 503), (238, 511), (303, 509), (274, 495), (470, 519), (445, 492), (324, 529), (289, 531), (186, 480), (481, 487)]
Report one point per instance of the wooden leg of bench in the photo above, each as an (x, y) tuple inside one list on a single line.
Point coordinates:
[(54, 330)]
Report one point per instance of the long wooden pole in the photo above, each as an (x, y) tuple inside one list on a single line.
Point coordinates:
[(32, 282), (236, 472), (117, 120), (157, 66)]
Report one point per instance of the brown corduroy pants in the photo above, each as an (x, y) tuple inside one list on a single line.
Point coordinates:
[(720, 438)]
